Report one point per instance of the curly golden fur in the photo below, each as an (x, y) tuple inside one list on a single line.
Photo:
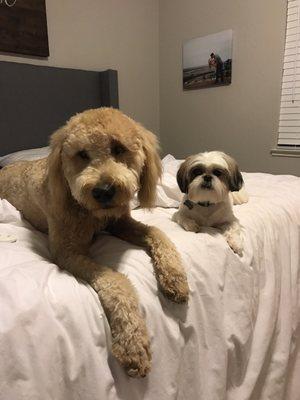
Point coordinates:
[(98, 160)]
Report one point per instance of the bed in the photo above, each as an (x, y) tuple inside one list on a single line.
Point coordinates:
[(237, 339)]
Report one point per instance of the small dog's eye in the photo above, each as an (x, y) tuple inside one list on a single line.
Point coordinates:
[(217, 172), (83, 155), (197, 172), (117, 149)]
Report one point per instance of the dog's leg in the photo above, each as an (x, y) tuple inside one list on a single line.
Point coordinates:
[(167, 262), (233, 234), (188, 224), (130, 343), (240, 197)]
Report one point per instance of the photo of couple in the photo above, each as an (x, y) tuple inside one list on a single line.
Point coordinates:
[(207, 61)]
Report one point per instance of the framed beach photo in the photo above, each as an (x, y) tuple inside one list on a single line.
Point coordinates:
[(207, 61)]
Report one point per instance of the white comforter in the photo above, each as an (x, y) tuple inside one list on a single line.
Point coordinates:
[(238, 338)]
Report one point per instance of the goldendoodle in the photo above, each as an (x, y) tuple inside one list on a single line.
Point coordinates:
[(98, 161)]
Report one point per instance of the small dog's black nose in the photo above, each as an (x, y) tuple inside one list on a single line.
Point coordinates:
[(104, 193), (207, 178)]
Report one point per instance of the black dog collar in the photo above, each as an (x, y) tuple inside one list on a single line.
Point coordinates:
[(190, 204)]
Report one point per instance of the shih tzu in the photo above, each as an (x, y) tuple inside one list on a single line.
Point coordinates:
[(207, 179)]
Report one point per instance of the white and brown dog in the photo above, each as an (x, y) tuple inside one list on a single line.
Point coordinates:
[(207, 179)]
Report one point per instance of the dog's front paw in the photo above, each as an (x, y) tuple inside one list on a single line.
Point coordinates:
[(190, 225), (187, 223), (236, 244), (132, 349), (173, 284), (169, 271), (172, 278)]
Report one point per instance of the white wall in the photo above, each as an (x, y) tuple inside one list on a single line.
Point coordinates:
[(116, 34), (242, 118)]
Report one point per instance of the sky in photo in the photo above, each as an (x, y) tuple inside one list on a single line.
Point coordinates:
[(196, 52)]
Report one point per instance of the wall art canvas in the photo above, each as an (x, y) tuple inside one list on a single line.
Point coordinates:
[(23, 27), (207, 61)]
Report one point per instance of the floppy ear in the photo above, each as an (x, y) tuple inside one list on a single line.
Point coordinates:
[(235, 177), (182, 176), (56, 180), (151, 170)]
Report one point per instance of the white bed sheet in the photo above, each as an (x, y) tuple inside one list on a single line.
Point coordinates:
[(237, 339)]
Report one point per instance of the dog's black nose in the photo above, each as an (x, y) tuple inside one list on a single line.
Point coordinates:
[(207, 178), (207, 182), (104, 193)]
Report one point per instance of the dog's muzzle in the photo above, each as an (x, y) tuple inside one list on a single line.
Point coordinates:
[(206, 184), (104, 194)]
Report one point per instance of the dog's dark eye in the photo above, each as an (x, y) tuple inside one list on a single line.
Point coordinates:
[(117, 149), (83, 155), (197, 172), (217, 172)]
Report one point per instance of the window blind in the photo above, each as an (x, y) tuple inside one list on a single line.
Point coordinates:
[(289, 121)]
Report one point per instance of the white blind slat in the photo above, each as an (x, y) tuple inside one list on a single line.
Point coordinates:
[(290, 78), (290, 131), (292, 11), (289, 141), (291, 60), (292, 71), (289, 110), (288, 135), (292, 17), (291, 90), (291, 31), (293, 3), (291, 44), (291, 51), (290, 85), (290, 117), (289, 122), (291, 38), (292, 98), (289, 104)]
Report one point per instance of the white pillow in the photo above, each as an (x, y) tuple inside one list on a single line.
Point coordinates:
[(168, 192), (24, 155)]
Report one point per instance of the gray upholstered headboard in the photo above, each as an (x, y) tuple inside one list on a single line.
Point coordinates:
[(36, 100)]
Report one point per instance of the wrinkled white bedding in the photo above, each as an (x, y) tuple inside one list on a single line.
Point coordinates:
[(237, 339)]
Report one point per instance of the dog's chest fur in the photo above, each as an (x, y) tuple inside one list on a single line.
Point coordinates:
[(213, 215)]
